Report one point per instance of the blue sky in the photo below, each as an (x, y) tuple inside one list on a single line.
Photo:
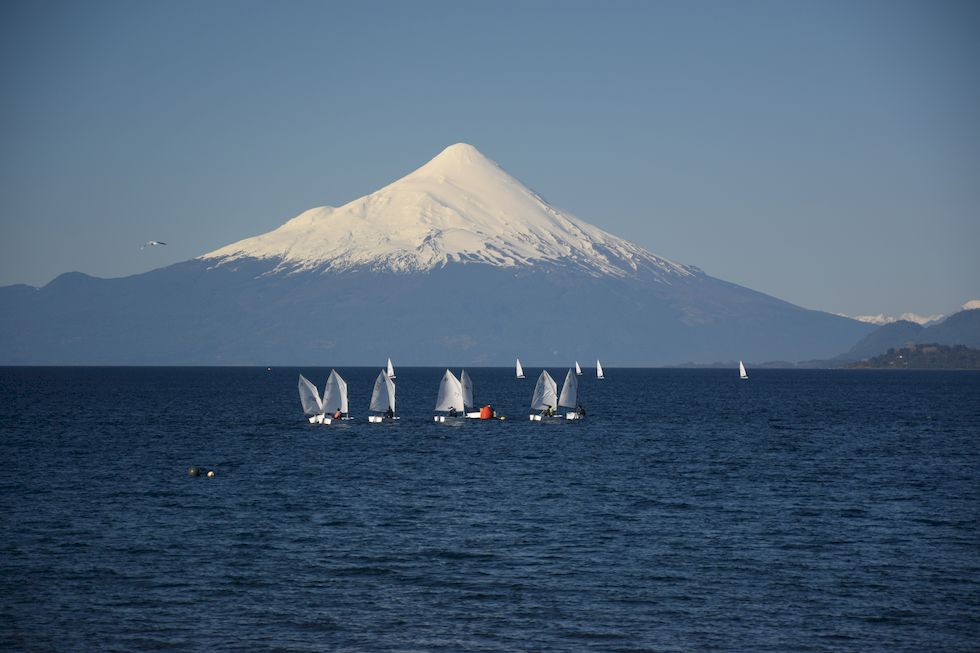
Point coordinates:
[(827, 153)]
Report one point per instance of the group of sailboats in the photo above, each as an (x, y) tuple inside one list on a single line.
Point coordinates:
[(333, 405), (455, 399), (578, 370), (547, 400), (317, 408)]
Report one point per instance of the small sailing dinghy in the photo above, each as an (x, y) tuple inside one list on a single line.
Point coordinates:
[(450, 398), (383, 399), (391, 370), (598, 370), (520, 370), (466, 385), (545, 397), (578, 370), (741, 371), (335, 398), (310, 398), (569, 397)]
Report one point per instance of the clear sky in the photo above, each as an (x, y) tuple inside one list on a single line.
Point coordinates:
[(827, 153)]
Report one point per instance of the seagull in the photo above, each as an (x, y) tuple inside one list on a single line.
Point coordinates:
[(151, 243)]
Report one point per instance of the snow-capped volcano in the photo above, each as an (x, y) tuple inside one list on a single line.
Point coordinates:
[(457, 262), (460, 207)]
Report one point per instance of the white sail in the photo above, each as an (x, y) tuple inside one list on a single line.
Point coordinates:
[(545, 392), (569, 391), (450, 393), (335, 394), (598, 370), (520, 370), (391, 370), (578, 370), (741, 371), (467, 384), (309, 397), (384, 393)]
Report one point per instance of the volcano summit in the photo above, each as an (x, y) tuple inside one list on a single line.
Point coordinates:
[(457, 262), (460, 207)]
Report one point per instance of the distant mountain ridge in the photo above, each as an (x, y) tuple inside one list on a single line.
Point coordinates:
[(961, 328), (457, 262)]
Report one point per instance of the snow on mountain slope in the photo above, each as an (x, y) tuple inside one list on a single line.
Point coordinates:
[(459, 207)]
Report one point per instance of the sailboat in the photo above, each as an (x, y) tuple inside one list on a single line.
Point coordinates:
[(741, 371), (545, 395), (569, 396), (450, 397), (466, 384), (578, 370), (335, 397), (310, 398), (598, 370), (382, 398), (391, 370), (520, 370)]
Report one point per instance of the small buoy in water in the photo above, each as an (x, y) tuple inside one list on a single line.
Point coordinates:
[(193, 471), (210, 473)]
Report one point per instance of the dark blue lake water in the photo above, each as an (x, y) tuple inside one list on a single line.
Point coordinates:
[(796, 511)]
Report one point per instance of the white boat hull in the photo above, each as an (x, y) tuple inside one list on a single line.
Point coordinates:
[(441, 419), (377, 419), (566, 416)]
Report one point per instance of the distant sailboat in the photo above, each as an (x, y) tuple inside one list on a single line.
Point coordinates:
[(383, 398), (545, 397), (450, 398), (741, 371), (520, 370), (578, 370), (569, 396), (598, 370), (391, 370)]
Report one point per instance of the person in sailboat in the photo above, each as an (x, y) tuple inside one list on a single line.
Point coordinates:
[(580, 410), (453, 412), (548, 411), (390, 413), (337, 414)]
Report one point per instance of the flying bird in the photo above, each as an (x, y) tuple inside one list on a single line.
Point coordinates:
[(151, 243)]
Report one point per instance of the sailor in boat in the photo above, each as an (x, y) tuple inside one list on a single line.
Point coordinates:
[(390, 413), (580, 410), (549, 411), (453, 412), (337, 414)]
